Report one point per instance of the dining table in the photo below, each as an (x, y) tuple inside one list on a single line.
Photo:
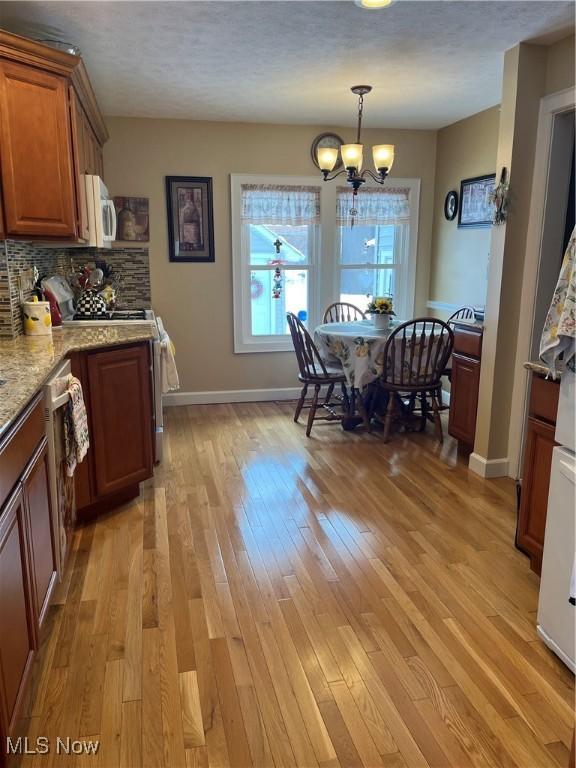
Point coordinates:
[(357, 345)]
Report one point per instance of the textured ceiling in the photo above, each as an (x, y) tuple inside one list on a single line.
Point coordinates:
[(430, 63)]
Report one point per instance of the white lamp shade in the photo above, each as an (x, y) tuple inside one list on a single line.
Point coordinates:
[(383, 156), (352, 156), (327, 157)]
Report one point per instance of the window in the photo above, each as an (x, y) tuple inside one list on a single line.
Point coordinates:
[(373, 254), (294, 250)]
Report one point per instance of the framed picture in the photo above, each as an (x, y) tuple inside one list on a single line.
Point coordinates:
[(132, 219), (190, 218), (476, 209)]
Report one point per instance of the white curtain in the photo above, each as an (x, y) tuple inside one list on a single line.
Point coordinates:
[(276, 204), (373, 206)]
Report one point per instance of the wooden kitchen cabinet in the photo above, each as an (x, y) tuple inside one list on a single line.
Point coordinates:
[(88, 158), (17, 638), (36, 152), (27, 556), (465, 383), (464, 398), (51, 131), (539, 443), (117, 388)]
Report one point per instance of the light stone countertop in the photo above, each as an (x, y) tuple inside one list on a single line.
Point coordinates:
[(536, 366), (27, 361)]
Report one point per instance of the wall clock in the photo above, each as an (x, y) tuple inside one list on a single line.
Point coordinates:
[(451, 205), (327, 139)]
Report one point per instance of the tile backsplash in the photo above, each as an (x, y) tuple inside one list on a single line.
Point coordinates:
[(131, 264)]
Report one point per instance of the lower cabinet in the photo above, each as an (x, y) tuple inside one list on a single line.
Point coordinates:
[(18, 636), (117, 386), (465, 383), (27, 561), (539, 443)]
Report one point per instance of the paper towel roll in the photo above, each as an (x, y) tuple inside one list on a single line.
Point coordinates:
[(36, 318)]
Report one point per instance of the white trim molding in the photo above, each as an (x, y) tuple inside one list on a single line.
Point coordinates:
[(323, 268), (488, 468), (231, 396), (442, 306)]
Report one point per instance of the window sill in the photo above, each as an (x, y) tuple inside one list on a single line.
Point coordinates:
[(243, 347)]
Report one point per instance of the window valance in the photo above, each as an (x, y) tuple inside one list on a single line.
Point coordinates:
[(374, 206), (279, 204)]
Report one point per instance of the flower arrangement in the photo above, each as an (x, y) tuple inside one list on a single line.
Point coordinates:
[(381, 305)]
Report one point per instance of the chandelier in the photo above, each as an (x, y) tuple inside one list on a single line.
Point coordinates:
[(352, 154)]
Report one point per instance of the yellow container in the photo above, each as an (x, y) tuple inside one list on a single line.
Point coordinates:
[(36, 318)]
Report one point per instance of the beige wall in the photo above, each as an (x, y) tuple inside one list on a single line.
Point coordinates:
[(195, 300), (530, 72), (560, 66), (459, 261)]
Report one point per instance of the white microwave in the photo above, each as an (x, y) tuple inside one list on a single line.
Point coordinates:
[(101, 213)]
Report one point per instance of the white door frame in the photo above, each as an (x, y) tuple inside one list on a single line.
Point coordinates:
[(551, 107)]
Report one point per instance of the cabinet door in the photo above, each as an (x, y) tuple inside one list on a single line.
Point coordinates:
[(17, 638), (120, 396), (2, 233), (80, 163), (41, 535), (535, 484), (37, 181), (464, 398)]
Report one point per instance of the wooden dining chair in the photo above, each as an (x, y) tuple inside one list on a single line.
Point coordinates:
[(313, 371), (415, 354), (464, 313), (343, 312)]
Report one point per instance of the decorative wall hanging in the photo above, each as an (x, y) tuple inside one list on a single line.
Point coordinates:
[(276, 282), (476, 207), (133, 219), (451, 205), (190, 218), (499, 198)]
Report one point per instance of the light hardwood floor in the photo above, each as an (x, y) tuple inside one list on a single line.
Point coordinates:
[(277, 601)]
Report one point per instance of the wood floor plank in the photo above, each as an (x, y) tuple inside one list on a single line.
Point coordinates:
[(282, 602), (192, 725)]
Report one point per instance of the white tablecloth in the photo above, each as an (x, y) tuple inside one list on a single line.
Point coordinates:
[(357, 345)]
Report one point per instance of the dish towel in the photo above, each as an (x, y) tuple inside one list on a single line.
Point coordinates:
[(170, 380), (559, 334), (76, 438)]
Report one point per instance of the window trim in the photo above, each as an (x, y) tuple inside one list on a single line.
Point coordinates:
[(326, 290), (243, 341)]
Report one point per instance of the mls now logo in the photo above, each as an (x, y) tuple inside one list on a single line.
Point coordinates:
[(42, 746)]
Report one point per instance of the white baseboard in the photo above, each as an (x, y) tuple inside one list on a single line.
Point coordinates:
[(243, 396), (488, 468), (231, 396)]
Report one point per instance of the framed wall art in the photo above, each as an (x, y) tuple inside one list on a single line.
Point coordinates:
[(476, 208), (132, 219), (190, 218)]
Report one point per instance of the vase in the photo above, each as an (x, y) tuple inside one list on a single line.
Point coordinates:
[(381, 322)]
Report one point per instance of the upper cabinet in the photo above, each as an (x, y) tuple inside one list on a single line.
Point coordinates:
[(37, 182), (51, 135)]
